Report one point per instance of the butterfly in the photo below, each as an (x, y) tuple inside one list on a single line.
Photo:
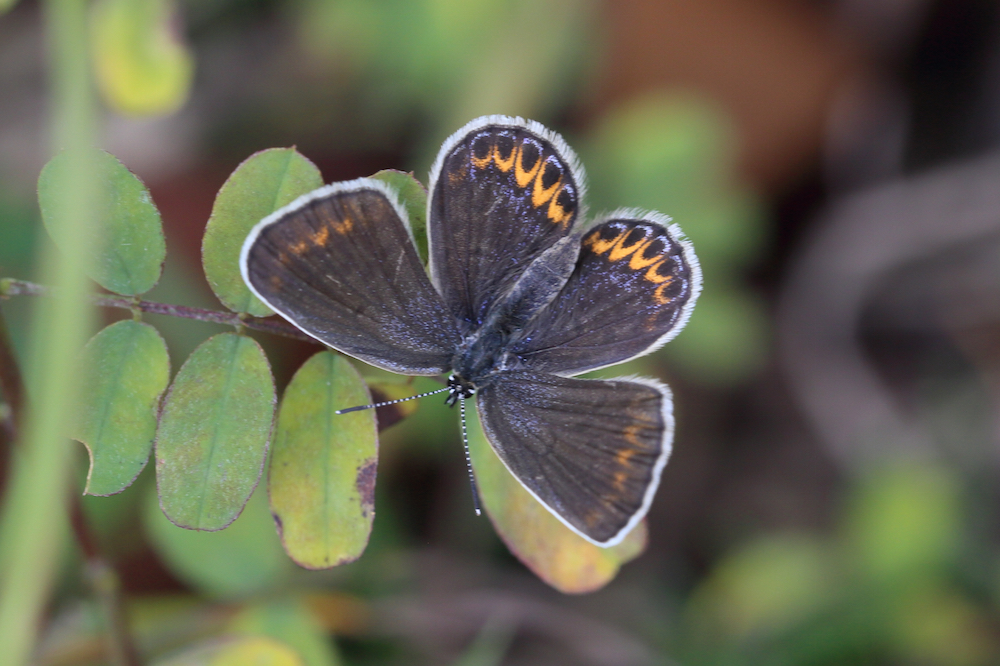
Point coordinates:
[(520, 295)]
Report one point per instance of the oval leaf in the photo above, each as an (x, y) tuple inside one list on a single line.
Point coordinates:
[(242, 560), (142, 66), (322, 477), (413, 196), (265, 182), (127, 370), (556, 554), (247, 651), (131, 248), (213, 433)]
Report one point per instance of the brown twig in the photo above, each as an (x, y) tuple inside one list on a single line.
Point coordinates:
[(10, 287)]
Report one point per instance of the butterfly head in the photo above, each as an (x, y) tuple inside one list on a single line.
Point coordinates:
[(458, 388)]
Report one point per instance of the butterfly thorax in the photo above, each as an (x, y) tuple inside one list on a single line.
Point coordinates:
[(482, 356)]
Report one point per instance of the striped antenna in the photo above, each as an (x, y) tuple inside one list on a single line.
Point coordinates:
[(390, 402), (468, 458)]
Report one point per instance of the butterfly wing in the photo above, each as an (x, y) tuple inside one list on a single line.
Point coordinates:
[(339, 263), (502, 191), (591, 451), (633, 288)]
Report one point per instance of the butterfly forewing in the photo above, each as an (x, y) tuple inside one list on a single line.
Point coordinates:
[(633, 288), (589, 450), (340, 265), (502, 191)]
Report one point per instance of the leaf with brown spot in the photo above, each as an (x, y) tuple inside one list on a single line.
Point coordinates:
[(323, 466)]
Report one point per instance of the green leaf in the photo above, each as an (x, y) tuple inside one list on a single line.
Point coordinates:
[(126, 371), (7, 5), (292, 623), (213, 433), (246, 651), (413, 196), (904, 520), (131, 245), (763, 588), (142, 66), (237, 562), (265, 182), (555, 553), (322, 477)]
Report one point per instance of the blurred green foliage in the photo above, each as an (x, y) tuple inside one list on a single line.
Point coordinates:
[(892, 585)]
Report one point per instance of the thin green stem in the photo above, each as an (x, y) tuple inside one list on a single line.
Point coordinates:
[(33, 523)]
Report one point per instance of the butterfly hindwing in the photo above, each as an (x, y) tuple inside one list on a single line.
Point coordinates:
[(339, 263), (590, 450), (635, 282), (502, 191)]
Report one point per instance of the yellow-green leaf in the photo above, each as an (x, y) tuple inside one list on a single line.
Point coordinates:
[(556, 554), (413, 197), (290, 621), (130, 243), (265, 182), (322, 477), (244, 559), (213, 433), (127, 370), (142, 65), (245, 651)]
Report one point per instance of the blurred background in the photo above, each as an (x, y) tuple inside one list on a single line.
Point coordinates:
[(833, 494)]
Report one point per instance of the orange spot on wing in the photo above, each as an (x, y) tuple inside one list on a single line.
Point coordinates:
[(655, 277), (659, 296), (599, 245), (557, 213), (524, 177), (504, 163), (321, 236), (343, 227), (620, 250), (638, 262), (481, 163), (539, 195)]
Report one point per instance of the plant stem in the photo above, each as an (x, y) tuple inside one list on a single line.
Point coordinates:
[(106, 587), (9, 287), (33, 523)]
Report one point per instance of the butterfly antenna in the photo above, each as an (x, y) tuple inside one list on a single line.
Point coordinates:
[(389, 402), (468, 458)]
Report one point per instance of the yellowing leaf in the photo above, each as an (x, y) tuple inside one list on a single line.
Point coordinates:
[(142, 65), (247, 651), (322, 477), (556, 554)]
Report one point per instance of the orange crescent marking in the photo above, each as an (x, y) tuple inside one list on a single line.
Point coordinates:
[(621, 251), (637, 262), (538, 195), (524, 177), (600, 246), (504, 164), (556, 212), (655, 277), (658, 295), (481, 163)]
